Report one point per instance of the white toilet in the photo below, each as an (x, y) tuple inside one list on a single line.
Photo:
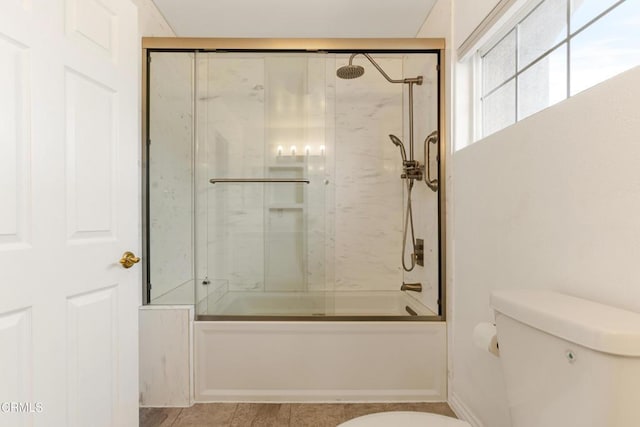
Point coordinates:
[(567, 362), (404, 419)]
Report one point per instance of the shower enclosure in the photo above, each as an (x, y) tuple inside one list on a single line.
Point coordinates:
[(273, 190)]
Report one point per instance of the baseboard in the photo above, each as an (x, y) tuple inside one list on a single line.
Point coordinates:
[(319, 396), (463, 412), (141, 406)]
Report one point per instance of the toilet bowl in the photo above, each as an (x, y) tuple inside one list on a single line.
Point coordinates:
[(404, 419)]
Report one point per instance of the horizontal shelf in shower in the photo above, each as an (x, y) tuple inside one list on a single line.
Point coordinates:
[(287, 166), (287, 206), (258, 180)]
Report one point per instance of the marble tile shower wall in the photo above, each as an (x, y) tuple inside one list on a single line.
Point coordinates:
[(367, 203), (369, 194), (368, 189), (252, 110), (231, 144), (170, 176), (290, 86)]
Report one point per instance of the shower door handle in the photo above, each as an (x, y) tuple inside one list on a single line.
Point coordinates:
[(432, 138), (258, 180)]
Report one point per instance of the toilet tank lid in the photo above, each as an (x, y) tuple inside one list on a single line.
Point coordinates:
[(590, 324)]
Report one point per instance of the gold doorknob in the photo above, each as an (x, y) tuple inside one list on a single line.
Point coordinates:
[(128, 259)]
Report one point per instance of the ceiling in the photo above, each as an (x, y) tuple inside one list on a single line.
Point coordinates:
[(295, 18)]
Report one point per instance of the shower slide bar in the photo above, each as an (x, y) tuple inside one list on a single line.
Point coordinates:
[(251, 180)]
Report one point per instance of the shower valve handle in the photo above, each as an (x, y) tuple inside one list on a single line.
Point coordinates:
[(412, 170)]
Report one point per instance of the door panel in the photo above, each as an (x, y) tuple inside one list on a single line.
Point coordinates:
[(16, 359), (69, 154), (14, 134), (92, 397), (93, 23), (90, 129)]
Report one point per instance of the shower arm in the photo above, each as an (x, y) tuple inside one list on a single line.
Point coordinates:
[(416, 80), (410, 82)]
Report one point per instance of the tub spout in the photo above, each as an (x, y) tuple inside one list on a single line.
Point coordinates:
[(415, 287)]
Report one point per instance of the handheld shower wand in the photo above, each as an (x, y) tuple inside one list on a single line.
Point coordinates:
[(408, 219), (396, 141)]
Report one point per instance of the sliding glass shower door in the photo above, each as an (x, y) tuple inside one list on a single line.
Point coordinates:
[(263, 173), (274, 189)]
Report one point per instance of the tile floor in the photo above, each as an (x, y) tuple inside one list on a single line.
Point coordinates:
[(274, 414)]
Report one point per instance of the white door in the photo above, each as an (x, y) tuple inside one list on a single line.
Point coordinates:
[(69, 191)]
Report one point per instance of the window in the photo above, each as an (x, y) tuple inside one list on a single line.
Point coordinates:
[(559, 48)]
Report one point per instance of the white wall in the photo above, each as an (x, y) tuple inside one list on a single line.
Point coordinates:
[(547, 203), (550, 202), (439, 24), (151, 23), (467, 15)]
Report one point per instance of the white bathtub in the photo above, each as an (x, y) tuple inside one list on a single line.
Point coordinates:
[(319, 361), (297, 361)]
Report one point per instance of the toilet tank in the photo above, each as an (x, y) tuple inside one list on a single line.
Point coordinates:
[(568, 362)]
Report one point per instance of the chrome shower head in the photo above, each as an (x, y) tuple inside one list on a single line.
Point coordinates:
[(396, 141), (350, 71)]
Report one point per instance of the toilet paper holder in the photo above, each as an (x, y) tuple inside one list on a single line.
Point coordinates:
[(485, 337)]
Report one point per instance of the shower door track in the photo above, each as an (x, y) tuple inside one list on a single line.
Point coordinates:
[(315, 318)]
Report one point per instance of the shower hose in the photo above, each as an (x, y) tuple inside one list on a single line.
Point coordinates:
[(408, 223)]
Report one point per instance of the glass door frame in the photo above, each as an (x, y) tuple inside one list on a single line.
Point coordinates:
[(368, 45)]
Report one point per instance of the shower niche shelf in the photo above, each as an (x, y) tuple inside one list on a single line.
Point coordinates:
[(289, 195), (286, 225), (287, 166), (286, 206)]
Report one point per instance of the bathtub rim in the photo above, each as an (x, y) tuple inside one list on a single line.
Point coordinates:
[(409, 302), (339, 318)]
